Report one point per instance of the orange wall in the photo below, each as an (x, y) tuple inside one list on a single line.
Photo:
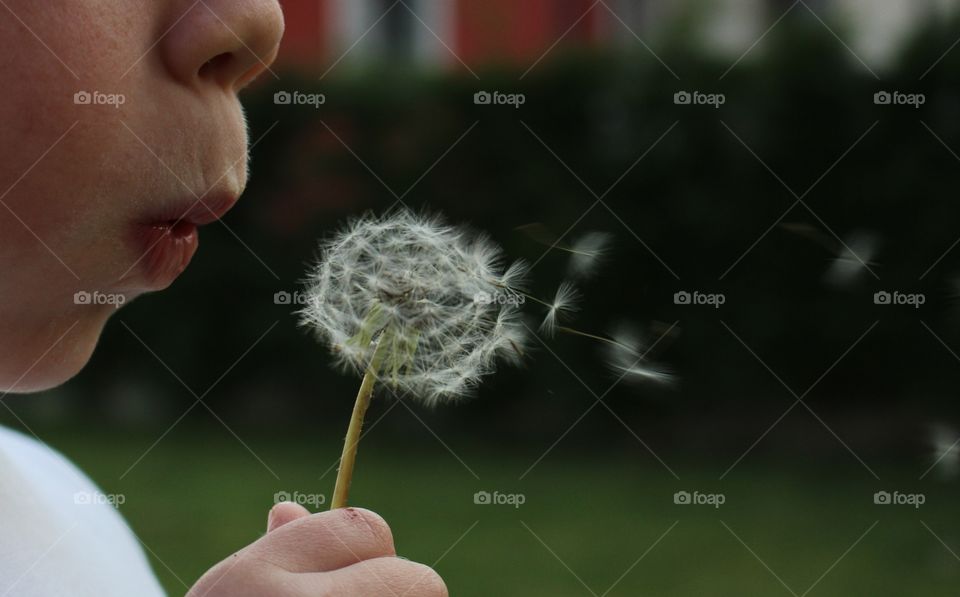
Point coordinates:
[(307, 38), (506, 30), (515, 31)]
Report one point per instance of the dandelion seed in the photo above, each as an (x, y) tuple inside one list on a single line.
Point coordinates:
[(515, 278), (539, 233), (563, 303), (627, 357), (854, 257), (946, 451), (587, 252)]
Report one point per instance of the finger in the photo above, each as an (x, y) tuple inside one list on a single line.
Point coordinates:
[(327, 541), (376, 578), (283, 513)]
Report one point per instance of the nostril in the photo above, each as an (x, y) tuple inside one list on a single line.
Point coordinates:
[(223, 43), (213, 68)]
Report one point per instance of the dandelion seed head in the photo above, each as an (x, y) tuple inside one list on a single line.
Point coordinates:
[(427, 292)]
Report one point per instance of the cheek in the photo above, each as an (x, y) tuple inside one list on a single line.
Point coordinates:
[(55, 147), (85, 41), (56, 221)]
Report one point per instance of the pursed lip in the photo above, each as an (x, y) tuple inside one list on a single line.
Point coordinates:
[(166, 240)]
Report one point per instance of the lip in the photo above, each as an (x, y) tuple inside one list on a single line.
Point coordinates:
[(167, 240)]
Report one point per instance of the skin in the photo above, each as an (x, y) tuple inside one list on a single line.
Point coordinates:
[(77, 180), (342, 552)]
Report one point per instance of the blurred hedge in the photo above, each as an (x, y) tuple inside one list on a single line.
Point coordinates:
[(699, 200)]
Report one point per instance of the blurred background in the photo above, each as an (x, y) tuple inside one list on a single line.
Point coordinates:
[(779, 183)]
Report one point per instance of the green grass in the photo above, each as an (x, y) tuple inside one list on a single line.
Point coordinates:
[(583, 529)]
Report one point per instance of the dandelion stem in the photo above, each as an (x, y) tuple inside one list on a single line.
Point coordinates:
[(350, 444)]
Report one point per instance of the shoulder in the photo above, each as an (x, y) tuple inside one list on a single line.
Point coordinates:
[(42, 467), (61, 530)]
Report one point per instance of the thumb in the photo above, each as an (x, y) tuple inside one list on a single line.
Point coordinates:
[(283, 513)]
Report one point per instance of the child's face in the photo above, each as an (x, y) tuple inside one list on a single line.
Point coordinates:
[(92, 184)]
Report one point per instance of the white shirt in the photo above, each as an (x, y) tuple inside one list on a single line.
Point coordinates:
[(59, 534)]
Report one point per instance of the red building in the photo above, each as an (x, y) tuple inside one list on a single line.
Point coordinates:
[(324, 33), (453, 33)]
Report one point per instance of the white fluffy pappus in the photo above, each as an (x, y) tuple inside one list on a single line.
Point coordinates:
[(565, 302), (436, 298), (854, 257), (587, 252), (945, 442), (627, 357)]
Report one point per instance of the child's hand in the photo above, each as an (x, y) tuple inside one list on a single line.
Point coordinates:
[(345, 552)]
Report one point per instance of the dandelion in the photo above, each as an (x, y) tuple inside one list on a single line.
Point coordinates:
[(427, 310), (409, 302)]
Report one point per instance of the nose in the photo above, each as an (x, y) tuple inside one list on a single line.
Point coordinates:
[(227, 43)]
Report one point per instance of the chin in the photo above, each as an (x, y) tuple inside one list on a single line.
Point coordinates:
[(53, 355)]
